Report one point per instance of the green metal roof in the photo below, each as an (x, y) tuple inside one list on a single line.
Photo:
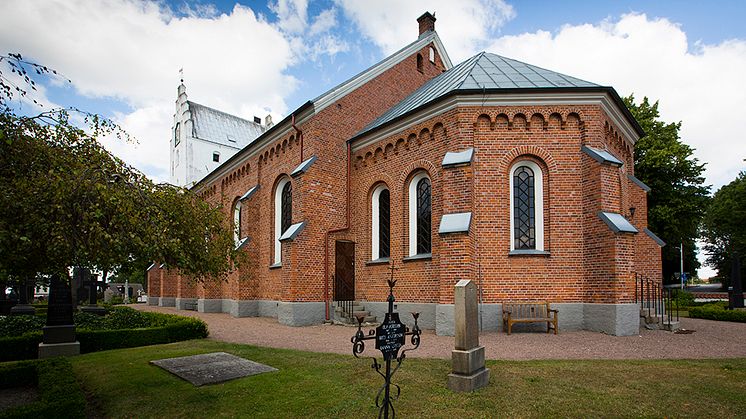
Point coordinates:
[(483, 71)]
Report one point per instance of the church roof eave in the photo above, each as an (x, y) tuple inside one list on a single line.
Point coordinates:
[(616, 100)]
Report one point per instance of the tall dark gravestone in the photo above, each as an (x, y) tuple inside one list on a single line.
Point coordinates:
[(59, 333)]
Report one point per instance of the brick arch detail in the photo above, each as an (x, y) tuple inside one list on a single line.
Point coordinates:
[(415, 166), (528, 150)]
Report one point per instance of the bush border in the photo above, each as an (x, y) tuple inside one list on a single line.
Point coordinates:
[(176, 329), (59, 391), (712, 313)]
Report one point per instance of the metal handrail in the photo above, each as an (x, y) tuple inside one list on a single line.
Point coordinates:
[(659, 302)]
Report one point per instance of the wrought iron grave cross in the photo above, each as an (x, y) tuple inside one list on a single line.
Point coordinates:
[(390, 337)]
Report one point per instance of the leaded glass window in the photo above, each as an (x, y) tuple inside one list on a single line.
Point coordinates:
[(384, 224), (524, 208), (287, 207), (423, 216)]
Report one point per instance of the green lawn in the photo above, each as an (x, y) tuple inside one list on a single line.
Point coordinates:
[(121, 383)]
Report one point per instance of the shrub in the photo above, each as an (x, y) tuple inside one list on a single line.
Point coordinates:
[(89, 321), (686, 298), (60, 394), (18, 325), (717, 312), (161, 328), (125, 318), (101, 340)]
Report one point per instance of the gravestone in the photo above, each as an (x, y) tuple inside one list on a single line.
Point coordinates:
[(91, 282), (23, 307), (59, 333), (212, 368), (467, 358)]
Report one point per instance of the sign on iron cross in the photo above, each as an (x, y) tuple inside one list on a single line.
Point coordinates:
[(390, 336)]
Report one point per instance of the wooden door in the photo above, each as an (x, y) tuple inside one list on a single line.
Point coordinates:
[(344, 271)]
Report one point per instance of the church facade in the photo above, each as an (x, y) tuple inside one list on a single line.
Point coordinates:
[(516, 177)]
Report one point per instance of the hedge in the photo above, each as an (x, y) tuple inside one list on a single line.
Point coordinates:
[(60, 394), (716, 312), (170, 328)]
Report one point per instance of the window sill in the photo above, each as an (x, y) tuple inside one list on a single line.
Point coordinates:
[(528, 253), (420, 256), (276, 266), (379, 261)]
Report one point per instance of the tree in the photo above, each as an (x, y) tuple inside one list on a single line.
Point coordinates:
[(66, 201), (723, 228), (679, 197)]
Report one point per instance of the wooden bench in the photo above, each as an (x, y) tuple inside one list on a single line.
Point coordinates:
[(529, 313)]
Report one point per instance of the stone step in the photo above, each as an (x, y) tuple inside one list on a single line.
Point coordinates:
[(361, 313), (672, 326)]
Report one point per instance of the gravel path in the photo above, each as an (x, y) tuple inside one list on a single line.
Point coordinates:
[(711, 339)]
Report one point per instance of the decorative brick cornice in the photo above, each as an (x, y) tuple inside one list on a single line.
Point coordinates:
[(517, 119), (416, 137)]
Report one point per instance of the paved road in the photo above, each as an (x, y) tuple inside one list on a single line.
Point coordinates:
[(711, 339), (716, 287)]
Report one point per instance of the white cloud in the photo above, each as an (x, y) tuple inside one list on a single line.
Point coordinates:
[(324, 22), (701, 86), (132, 50), (292, 15), (464, 25)]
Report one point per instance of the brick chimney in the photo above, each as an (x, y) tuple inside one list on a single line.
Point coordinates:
[(427, 22)]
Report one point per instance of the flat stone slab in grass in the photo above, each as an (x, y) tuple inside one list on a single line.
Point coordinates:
[(216, 367)]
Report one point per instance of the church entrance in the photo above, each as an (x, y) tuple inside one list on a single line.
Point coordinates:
[(344, 271)]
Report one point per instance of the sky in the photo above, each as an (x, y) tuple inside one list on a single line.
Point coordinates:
[(254, 58)]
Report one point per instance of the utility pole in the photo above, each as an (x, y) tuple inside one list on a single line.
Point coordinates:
[(681, 263)]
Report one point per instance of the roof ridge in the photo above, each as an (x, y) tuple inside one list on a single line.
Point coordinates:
[(473, 64), (222, 112)]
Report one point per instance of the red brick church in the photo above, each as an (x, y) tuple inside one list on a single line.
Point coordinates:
[(516, 177)]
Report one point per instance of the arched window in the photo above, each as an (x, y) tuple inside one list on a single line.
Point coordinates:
[(381, 223), (237, 236), (283, 213), (420, 240), (419, 63), (526, 207), (432, 55)]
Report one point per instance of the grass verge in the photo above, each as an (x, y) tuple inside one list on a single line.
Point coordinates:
[(325, 385)]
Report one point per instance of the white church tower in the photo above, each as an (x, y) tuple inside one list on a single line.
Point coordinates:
[(203, 138)]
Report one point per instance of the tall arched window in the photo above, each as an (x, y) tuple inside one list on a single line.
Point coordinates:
[(419, 63), (420, 240), (237, 222), (526, 207), (283, 213), (381, 223), (177, 134)]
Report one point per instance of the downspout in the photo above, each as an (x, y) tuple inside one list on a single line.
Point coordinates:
[(346, 227), (300, 136)]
